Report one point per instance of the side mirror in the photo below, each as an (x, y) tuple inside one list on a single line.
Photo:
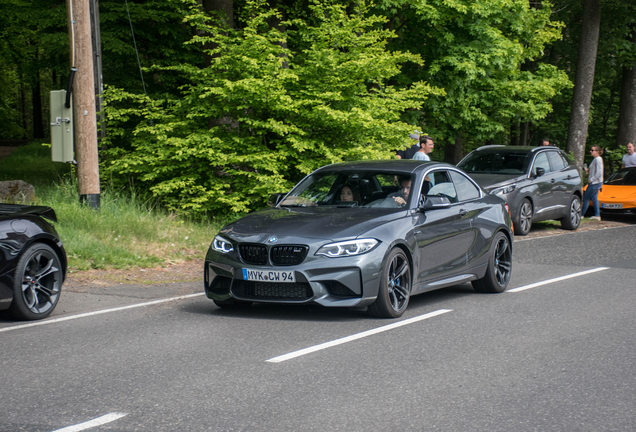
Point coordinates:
[(540, 171), (275, 199), (434, 203)]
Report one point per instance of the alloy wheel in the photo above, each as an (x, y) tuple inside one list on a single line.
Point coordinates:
[(41, 282), (503, 261), (575, 212), (399, 282), (525, 217)]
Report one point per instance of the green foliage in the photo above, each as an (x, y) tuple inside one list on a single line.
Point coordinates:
[(275, 103), (160, 36), (480, 52), (32, 163), (615, 51), (33, 48), (129, 230)]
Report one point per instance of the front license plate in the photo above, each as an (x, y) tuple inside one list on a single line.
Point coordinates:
[(269, 275), (612, 206)]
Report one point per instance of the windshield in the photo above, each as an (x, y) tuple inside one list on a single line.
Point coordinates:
[(352, 189), (508, 162), (622, 177)]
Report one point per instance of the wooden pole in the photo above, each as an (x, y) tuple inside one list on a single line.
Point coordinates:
[(84, 116)]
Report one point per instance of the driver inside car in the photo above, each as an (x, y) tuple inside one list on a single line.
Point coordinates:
[(400, 197)]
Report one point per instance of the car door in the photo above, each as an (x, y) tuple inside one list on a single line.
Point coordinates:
[(443, 236), (560, 191), (543, 188), (469, 197)]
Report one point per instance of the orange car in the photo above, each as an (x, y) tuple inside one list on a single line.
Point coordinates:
[(618, 194)]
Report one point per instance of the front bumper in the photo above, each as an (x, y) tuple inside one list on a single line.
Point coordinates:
[(332, 282)]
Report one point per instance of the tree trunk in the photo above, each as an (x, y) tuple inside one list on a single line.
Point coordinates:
[(525, 126), (453, 152), (627, 117), (514, 133), (23, 109), (224, 7), (36, 105), (584, 81)]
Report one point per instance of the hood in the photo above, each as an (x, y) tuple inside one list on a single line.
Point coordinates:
[(616, 193), (22, 210), (491, 181), (318, 223)]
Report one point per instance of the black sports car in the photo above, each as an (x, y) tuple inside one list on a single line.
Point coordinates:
[(32, 261), (369, 233)]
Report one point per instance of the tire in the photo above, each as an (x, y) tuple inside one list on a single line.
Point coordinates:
[(499, 268), (37, 284), (522, 220), (573, 218), (232, 304), (395, 286)]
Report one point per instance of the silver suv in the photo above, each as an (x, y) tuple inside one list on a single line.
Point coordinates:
[(539, 183)]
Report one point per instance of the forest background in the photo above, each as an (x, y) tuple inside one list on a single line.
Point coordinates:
[(238, 99)]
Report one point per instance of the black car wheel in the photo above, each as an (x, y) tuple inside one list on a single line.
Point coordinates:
[(395, 287), (499, 268), (573, 219), (38, 283), (523, 218), (232, 304)]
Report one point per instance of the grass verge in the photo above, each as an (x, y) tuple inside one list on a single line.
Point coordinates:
[(127, 231)]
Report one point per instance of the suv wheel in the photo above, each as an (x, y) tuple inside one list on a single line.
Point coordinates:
[(523, 218), (573, 219)]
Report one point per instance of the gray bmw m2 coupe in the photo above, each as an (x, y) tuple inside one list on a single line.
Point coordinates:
[(368, 233)]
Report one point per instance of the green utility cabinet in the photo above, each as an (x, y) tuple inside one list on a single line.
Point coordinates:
[(61, 128)]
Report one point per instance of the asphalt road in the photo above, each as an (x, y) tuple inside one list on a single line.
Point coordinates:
[(558, 356)]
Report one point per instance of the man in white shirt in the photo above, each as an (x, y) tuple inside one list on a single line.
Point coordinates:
[(426, 147), (629, 160)]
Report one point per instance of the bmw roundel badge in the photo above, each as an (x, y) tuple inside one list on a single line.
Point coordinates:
[(273, 239)]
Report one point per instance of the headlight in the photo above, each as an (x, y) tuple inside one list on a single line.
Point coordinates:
[(347, 248), (221, 245), (504, 190)]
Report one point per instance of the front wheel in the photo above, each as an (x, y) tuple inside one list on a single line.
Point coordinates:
[(499, 268), (523, 218), (395, 287), (37, 284), (573, 218)]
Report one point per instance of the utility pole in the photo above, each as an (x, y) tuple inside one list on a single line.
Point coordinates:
[(84, 115), (97, 63)]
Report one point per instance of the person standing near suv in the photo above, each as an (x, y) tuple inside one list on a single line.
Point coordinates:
[(594, 183), (629, 160), (426, 147)]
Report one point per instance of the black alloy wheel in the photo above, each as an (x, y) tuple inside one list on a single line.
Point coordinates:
[(573, 218), (523, 218), (499, 268), (395, 287), (38, 283)]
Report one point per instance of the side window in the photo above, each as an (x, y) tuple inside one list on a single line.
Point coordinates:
[(555, 161), (541, 161), (440, 185), (466, 190)]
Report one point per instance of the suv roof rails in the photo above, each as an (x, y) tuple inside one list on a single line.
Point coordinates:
[(491, 146)]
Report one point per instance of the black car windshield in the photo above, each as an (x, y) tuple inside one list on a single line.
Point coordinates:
[(361, 189), (492, 162), (622, 177)]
